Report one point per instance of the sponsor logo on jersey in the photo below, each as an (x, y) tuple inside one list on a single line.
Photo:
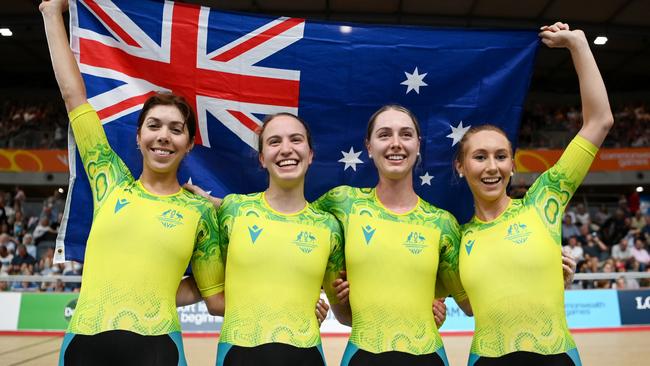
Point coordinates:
[(171, 218), (415, 242), (518, 233), (368, 232), (469, 245), (306, 241), (121, 202), (255, 232)]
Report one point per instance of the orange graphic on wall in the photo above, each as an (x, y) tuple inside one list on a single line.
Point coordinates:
[(607, 160), (51, 161)]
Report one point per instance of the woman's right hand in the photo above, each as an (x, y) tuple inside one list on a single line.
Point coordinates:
[(53, 6), (342, 288)]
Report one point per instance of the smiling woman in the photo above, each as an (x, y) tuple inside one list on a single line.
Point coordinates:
[(150, 227), (512, 266), (280, 248)]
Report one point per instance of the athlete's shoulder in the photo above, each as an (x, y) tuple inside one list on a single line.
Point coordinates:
[(437, 213), (321, 215)]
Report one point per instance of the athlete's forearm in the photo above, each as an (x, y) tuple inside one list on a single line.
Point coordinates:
[(187, 293), (596, 112), (343, 313), (64, 64)]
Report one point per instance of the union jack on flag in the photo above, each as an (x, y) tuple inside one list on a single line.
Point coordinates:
[(236, 68)]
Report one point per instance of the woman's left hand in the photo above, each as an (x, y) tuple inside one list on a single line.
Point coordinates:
[(559, 35), (198, 190)]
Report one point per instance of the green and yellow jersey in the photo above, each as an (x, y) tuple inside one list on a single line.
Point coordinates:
[(139, 245), (275, 266), (511, 266), (395, 262)]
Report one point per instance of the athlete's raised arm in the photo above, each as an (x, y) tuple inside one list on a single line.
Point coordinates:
[(64, 64), (596, 112)]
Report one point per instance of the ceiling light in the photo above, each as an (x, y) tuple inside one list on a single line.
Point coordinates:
[(600, 40), (639, 189), (6, 32), (345, 29)]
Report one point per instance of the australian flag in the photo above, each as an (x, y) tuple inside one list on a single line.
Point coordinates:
[(236, 68)]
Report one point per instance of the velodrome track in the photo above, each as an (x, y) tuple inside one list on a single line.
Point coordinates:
[(598, 347)]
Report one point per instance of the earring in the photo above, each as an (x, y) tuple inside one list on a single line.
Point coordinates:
[(418, 154), (137, 146), (512, 174), (460, 175), (369, 156)]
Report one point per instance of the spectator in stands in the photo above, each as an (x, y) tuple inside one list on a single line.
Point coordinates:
[(594, 247), (623, 250), (602, 215), (615, 227), (620, 283), (8, 241), (638, 221), (5, 259), (19, 224), (22, 260), (646, 229), (569, 229), (582, 215), (46, 264), (28, 242), (573, 247), (640, 253), (3, 211), (43, 231), (608, 267)]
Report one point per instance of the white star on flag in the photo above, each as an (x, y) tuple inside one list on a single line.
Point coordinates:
[(426, 179), (414, 81), (458, 132), (351, 159), (189, 181)]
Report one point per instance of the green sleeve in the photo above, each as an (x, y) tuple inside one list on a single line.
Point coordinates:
[(103, 166), (336, 260), (207, 264), (336, 201), (448, 278), (552, 191), (226, 215)]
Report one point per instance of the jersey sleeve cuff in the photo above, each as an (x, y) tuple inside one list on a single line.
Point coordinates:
[(210, 291), (585, 145)]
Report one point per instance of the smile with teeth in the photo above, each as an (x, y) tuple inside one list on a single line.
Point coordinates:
[(491, 180), (161, 152), (396, 157), (287, 162)]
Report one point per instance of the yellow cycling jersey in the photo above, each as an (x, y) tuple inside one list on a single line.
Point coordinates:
[(395, 262), (511, 267), (139, 245), (275, 266)]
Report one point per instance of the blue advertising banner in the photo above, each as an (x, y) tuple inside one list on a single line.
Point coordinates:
[(195, 318), (592, 309), (634, 306)]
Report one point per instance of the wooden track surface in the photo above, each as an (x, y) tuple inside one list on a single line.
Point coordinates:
[(596, 349)]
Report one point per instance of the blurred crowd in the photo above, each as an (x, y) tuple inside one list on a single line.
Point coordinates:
[(27, 241), (554, 127), (29, 125), (608, 241)]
